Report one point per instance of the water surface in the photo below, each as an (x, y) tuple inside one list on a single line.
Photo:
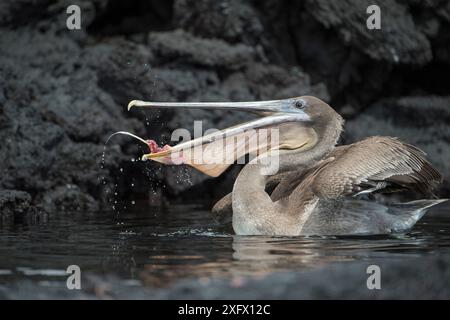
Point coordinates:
[(152, 247)]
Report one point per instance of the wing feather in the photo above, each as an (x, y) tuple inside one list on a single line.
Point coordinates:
[(374, 164), (374, 160)]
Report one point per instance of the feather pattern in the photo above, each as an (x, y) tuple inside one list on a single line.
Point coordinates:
[(372, 161), (375, 164)]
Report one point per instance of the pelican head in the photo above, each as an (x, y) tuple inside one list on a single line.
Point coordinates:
[(285, 126)]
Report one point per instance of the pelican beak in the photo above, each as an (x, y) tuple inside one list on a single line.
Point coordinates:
[(236, 140)]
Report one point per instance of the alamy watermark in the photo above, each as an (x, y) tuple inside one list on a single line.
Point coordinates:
[(373, 22), (73, 21), (374, 280), (74, 280)]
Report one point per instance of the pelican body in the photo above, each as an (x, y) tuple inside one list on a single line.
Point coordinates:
[(319, 188)]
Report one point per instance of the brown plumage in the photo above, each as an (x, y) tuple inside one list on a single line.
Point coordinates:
[(374, 164)]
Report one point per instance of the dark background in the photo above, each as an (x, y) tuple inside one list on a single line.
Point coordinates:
[(62, 93)]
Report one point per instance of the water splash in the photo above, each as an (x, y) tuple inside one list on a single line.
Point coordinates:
[(115, 206)]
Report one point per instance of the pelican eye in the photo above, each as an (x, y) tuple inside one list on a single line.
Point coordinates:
[(300, 103)]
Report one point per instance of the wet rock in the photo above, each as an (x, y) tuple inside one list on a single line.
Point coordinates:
[(16, 205), (69, 198), (14, 202)]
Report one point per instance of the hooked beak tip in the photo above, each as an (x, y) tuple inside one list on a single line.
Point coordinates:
[(134, 103)]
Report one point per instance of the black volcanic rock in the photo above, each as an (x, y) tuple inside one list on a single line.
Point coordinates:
[(55, 118), (14, 202), (233, 21), (183, 46), (69, 198), (398, 41), (62, 93), (16, 205)]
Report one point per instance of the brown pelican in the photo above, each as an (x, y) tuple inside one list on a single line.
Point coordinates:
[(319, 188)]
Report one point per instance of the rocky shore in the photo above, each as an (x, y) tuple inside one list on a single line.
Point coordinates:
[(63, 92)]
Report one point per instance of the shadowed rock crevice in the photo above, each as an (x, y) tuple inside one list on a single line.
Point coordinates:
[(132, 17)]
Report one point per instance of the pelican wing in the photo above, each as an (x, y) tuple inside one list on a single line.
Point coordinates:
[(374, 164)]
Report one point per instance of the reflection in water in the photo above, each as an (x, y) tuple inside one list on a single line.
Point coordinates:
[(159, 248)]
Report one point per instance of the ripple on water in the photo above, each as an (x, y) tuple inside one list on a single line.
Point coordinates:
[(156, 247)]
